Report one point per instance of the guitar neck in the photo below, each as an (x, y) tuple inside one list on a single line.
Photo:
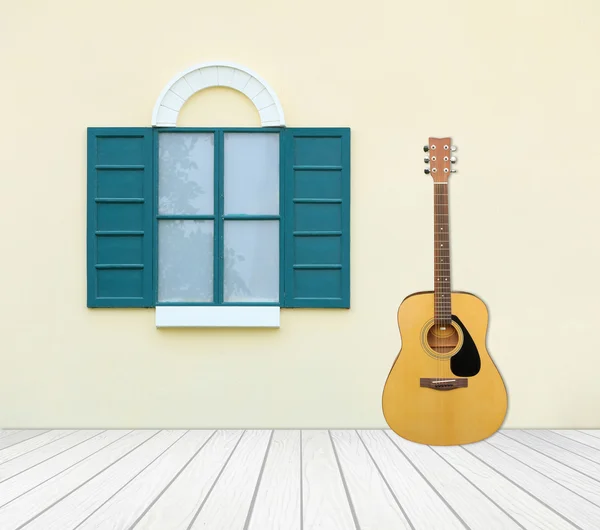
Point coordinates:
[(440, 161), (442, 299)]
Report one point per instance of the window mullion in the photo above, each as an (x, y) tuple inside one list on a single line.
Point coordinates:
[(218, 228)]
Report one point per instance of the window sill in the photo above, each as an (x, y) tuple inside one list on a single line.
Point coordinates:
[(217, 317)]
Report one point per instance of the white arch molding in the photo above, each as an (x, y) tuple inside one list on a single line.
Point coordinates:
[(206, 75)]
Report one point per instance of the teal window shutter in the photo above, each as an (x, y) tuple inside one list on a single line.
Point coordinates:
[(120, 203), (316, 217)]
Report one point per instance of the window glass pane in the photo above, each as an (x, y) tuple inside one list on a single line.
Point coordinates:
[(251, 261), (251, 173), (186, 173), (185, 261)]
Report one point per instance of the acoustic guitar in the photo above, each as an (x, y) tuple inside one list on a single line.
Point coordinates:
[(443, 387)]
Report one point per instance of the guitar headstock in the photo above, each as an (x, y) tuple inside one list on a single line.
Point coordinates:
[(440, 159)]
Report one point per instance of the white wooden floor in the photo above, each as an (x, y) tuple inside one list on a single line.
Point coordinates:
[(296, 480)]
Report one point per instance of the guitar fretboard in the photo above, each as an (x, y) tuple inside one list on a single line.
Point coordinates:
[(443, 306)]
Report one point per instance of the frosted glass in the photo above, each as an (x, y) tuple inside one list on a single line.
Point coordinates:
[(251, 261), (186, 173), (185, 261), (251, 173)]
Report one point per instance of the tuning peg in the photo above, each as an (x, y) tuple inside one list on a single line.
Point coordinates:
[(427, 171), (453, 148), (426, 159), (453, 171), (453, 159), (425, 148)]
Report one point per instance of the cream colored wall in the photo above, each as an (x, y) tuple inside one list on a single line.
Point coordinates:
[(515, 83)]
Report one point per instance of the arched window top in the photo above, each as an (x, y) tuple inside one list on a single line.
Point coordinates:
[(206, 75)]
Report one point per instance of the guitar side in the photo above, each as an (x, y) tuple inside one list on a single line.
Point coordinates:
[(437, 416)]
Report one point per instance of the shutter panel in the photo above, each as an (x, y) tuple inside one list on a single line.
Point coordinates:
[(120, 217), (317, 217)]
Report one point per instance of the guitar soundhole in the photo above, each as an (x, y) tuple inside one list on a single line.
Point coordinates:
[(442, 339)]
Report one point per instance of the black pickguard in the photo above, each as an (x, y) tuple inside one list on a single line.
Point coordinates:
[(465, 363)]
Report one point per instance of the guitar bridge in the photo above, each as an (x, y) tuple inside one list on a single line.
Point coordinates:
[(438, 383)]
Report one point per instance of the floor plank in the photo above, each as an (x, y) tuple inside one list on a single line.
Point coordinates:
[(577, 482), (8, 432), (100, 453), (236, 486), (473, 506), (526, 509), (567, 444), (178, 505), (581, 437), (277, 503), (33, 477), (82, 502), (573, 507), (424, 507), (42, 454), (122, 510), (325, 503), (574, 461), (30, 445), (18, 437), (374, 504), (594, 432)]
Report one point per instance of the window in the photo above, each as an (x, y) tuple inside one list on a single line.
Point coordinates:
[(218, 217)]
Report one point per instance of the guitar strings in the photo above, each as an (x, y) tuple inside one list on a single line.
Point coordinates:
[(437, 293), (442, 272), (442, 317), (442, 283), (447, 280), (439, 339), (435, 268), (441, 279), (447, 258), (439, 284), (441, 300)]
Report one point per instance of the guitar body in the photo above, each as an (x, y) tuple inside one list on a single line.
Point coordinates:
[(463, 399)]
